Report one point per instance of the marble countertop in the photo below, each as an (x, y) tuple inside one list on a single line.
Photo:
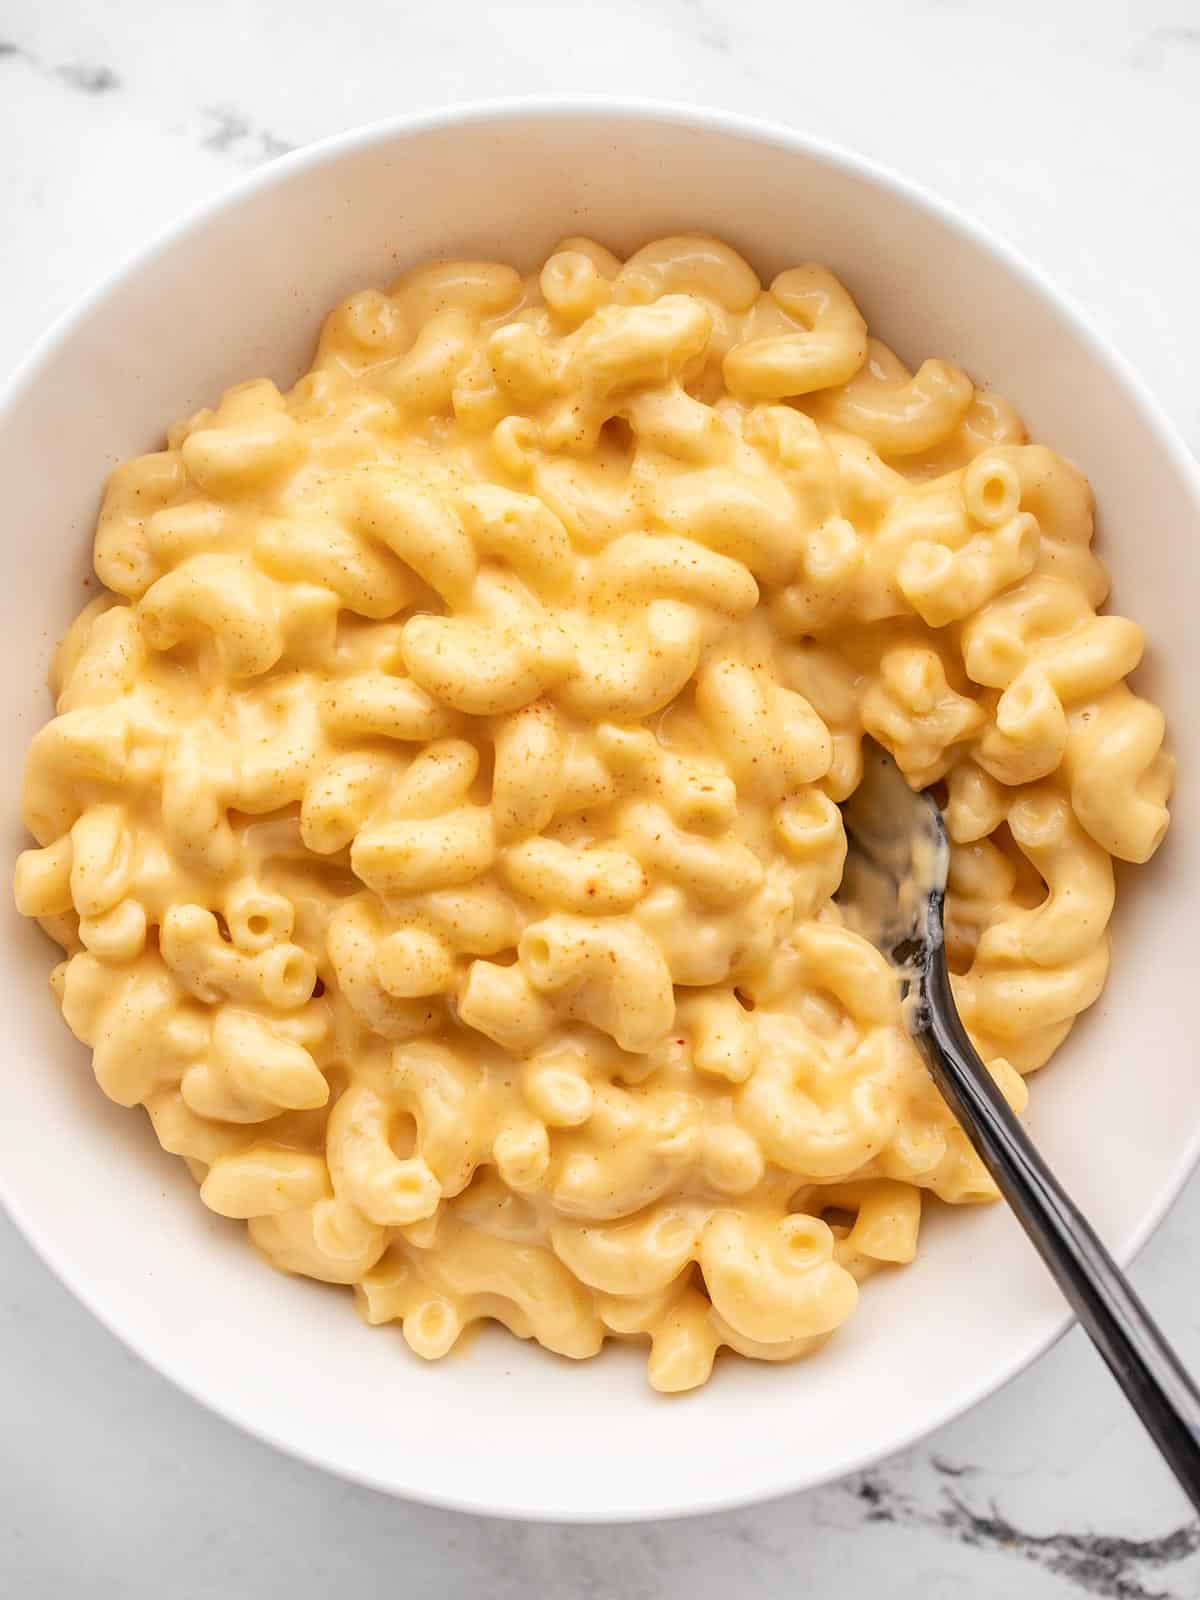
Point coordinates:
[(1072, 129)]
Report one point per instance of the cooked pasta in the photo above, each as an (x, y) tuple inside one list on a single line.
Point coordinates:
[(440, 819)]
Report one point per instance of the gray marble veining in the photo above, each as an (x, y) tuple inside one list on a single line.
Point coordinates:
[(115, 119)]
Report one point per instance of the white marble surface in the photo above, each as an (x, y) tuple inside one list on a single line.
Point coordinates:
[(1072, 128)]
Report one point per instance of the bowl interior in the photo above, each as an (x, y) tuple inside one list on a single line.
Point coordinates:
[(502, 1427)]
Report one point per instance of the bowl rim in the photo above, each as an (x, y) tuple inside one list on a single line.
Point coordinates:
[(752, 129)]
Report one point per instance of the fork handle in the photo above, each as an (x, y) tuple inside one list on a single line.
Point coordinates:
[(1139, 1357)]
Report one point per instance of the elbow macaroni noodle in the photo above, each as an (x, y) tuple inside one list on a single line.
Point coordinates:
[(440, 818)]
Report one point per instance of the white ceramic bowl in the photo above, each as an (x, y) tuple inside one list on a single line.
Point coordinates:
[(502, 1427)]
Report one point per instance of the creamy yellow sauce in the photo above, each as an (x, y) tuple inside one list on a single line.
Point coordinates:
[(441, 814)]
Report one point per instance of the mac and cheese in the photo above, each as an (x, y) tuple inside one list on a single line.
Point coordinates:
[(441, 814)]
